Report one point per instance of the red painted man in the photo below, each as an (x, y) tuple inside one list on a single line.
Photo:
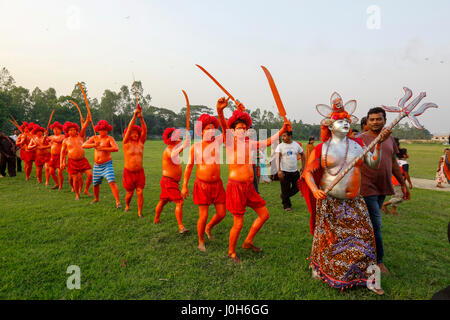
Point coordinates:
[(133, 150), (28, 156), (55, 141), (241, 191), (171, 167), (40, 144), (77, 163), (208, 187), (103, 164)]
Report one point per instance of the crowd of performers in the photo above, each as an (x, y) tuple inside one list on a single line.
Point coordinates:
[(345, 222)]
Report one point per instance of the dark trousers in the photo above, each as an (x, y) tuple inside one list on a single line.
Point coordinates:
[(289, 187), (255, 178), (19, 164), (374, 204), (11, 162)]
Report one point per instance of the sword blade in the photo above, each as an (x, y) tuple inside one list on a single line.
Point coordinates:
[(187, 111), (217, 83), (275, 93), (50, 120)]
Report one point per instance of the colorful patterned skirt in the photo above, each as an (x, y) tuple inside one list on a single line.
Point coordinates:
[(344, 243)]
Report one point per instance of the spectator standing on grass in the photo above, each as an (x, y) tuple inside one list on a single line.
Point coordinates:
[(14, 138), (397, 198), (309, 147), (289, 152), (377, 184), (7, 156), (443, 171)]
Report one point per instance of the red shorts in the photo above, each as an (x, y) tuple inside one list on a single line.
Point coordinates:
[(42, 159), (170, 190), (54, 161), (77, 166), (241, 195), (27, 156), (207, 193), (133, 179)]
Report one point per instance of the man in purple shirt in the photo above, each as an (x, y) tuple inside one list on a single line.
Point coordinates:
[(377, 184)]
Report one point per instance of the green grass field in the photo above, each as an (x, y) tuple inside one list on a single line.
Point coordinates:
[(43, 231)]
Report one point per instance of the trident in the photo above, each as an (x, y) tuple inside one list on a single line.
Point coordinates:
[(402, 113)]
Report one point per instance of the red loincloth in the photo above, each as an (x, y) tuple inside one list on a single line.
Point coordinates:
[(133, 179), (170, 190), (54, 161), (77, 166), (240, 195), (27, 156), (41, 159), (207, 193)]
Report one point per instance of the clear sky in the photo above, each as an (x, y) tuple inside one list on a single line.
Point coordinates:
[(365, 50)]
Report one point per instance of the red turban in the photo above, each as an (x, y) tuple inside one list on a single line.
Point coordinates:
[(170, 138), (135, 127), (240, 115), (24, 125), (68, 125), (31, 126), (204, 120), (37, 128), (56, 124), (103, 125)]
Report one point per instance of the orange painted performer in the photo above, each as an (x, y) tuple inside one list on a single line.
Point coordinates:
[(171, 176), (55, 159), (103, 164), (28, 156), (343, 248), (208, 187), (134, 138), (39, 143), (77, 163), (241, 192)]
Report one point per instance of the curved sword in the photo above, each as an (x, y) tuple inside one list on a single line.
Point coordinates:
[(217, 83), (187, 111), (87, 106), (276, 95)]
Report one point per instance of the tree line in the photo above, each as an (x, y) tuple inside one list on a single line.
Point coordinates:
[(118, 107)]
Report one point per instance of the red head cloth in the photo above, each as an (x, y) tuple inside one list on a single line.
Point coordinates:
[(204, 120), (171, 135), (56, 124), (31, 126), (37, 128), (135, 127), (68, 125), (24, 125), (240, 115), (103, 125)]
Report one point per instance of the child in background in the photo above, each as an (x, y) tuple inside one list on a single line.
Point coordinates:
[(397, 198)]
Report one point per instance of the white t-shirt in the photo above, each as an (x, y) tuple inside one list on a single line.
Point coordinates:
[(289, 154)]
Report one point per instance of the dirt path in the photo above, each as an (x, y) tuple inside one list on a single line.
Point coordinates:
[(428, 184)]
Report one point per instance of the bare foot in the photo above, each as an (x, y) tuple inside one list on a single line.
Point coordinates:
[(77, 197), (250, 246), (183, 231), (140, 215), (234, 258), (156, 222), (126, 209), (55, 186), (118, 205), (93, 201), (202, 247), (209, 235), (379, 292), (383, 268), (86, 193)]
